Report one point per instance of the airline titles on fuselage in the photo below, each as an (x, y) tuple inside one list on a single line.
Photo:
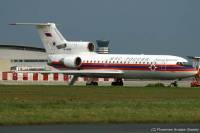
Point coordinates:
[(140, 59)]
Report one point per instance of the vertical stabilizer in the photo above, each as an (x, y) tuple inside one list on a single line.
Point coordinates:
[(51, 38)]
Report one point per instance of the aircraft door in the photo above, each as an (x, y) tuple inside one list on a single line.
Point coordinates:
[(163, 66)]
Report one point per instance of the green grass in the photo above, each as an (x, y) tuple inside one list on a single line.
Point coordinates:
[(34, 104)]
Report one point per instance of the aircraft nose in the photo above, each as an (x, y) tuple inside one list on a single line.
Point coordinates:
[(193, 72), (198, 73)]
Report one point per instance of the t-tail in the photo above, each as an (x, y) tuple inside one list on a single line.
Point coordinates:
[(49, 35), (55, 43)]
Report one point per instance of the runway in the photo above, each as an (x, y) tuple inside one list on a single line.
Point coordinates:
[(102, 128)]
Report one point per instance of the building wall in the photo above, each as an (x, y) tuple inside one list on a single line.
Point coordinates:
[(9, 57), (5, 65)]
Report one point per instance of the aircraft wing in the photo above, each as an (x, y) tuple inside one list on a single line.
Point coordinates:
[(82, 73)]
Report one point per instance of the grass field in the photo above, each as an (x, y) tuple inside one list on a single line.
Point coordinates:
[(35, 104)]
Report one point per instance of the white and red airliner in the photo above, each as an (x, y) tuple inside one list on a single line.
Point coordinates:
[(80, 59)]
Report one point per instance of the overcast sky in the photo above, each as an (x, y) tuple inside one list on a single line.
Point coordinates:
[(132, 26)]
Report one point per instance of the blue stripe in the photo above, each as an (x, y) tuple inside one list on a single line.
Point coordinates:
[(158, 67), (125, 66)]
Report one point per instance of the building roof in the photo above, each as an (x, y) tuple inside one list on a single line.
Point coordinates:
[(27, 48)]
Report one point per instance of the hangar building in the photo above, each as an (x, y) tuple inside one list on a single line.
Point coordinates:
[(25, 58), (15, 57), (22, 56)]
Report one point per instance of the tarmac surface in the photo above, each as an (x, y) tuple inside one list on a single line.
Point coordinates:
[(139, 83), (104, 128)]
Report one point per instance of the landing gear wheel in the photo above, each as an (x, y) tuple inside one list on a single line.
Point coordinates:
[(92, 83), (118, 82), (174, 84)]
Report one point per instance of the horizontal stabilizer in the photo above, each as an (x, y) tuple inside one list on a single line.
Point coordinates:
[(36, 24), (49, 35)]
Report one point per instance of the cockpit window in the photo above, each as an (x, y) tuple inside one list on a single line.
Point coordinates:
[(179, 63), (184, 64)]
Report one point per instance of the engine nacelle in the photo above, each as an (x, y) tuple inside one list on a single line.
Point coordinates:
[(72, 62), (80, 46), (91, 47)]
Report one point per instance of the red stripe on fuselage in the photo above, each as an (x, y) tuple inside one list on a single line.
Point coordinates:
[(144, 67), (172, 70)]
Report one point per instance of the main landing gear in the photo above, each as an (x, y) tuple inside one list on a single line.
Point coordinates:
[(91, 81), (174, 84), (118, 82)]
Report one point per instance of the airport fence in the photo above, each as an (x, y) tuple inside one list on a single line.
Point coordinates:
[(39, 77)]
